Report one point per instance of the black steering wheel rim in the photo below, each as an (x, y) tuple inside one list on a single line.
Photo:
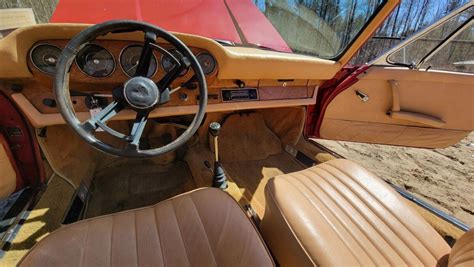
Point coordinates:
[(61, 87)]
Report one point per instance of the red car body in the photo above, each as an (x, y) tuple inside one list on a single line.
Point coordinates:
[(239, 21)]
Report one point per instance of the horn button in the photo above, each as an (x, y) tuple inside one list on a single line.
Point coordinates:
[(141, 93)]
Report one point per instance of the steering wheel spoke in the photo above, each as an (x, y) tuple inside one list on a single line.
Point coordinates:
[(146, 55), (138, 128), (166, 81), (99, 119)]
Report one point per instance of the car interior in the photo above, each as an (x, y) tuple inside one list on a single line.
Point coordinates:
[(171, 149)]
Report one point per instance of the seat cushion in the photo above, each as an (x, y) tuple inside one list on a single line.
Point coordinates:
[(205, 227), (462, 254), (339, 214)]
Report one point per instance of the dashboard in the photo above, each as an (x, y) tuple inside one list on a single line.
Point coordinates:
[(103, 59), (105, 64), (238, 78)]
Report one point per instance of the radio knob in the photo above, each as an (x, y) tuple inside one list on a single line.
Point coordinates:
[(227, 95), (240, 83)]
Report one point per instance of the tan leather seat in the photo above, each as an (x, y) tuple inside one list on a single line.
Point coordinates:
[(205, 227), (462, 254), (339, 214)]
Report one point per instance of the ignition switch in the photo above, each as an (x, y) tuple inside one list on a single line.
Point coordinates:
[(95, 102), (183, 97)]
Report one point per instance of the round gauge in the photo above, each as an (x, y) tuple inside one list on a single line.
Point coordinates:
[(45, 57), (96, 61), (130, 57), (167, 64), (207, 62)]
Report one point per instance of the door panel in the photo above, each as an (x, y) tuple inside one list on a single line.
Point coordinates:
[(19, 151), (405, 107), (8, 170)]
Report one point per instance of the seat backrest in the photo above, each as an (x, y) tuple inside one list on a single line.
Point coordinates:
[(462, 253)]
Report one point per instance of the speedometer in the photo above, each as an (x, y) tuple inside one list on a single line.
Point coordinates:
[(168, 64), (96, 61), (45, 57), (130, 57)]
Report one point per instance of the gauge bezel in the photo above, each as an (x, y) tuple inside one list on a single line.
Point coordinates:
[(31, 56), (120, 61), (215, 61), (88, 75), (161, 63)]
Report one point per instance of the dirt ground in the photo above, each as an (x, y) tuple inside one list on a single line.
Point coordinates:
[(442, 177)]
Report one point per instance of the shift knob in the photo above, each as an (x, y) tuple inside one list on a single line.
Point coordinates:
[(214, 128)]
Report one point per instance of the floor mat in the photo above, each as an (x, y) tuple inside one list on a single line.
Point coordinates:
[(253, 175), (142, 184), (246, 137)]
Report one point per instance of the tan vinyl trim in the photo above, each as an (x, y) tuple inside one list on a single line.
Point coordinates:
[(39, 120)]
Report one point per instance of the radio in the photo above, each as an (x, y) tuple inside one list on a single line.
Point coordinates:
[(245, 94)]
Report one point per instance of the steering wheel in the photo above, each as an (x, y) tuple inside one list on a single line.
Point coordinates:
[(139, 93)]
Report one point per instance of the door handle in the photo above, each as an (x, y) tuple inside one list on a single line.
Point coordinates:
[(397, 113)]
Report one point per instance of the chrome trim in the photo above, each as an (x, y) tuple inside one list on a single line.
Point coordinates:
[(137, 44), (31, 56), (99, 78)]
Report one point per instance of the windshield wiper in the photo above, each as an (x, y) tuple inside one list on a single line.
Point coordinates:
[(259, 46), (252, 45), (225, 42)]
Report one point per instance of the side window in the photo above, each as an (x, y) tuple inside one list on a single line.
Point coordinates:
[(456, 55), (449, 46)]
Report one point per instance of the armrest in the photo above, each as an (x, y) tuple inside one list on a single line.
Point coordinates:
[(418, 118)]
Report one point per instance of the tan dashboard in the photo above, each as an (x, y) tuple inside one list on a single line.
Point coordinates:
[(243, 78)]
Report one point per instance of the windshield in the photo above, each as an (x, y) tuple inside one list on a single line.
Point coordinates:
[(322, 28)]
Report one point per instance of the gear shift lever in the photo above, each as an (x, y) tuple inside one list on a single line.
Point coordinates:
[(219, 179)]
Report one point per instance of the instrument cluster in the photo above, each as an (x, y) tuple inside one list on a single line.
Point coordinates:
[(96, 61)]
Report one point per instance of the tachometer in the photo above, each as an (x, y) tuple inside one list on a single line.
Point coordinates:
[(45, 57), (167, 64), (207, 62), (96, 61), (129, 60)]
